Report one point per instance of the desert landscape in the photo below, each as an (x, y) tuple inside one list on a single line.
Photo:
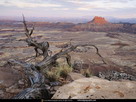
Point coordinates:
[(68, 50), (90, 72)]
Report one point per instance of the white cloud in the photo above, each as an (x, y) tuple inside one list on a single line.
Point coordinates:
[(77, 1), (22, 4), (61, 9), (103, 4), (69, 7), (86, 8), (83, 9)]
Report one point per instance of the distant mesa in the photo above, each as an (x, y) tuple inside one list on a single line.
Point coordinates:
[(98, 20), (100, 24)]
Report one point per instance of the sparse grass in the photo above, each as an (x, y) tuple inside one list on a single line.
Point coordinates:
[(86, 72), (57, 72), (52, 75), (64, 70)]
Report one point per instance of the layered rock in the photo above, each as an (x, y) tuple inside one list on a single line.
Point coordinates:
[(100, 24), (98, 20), (97, 88)]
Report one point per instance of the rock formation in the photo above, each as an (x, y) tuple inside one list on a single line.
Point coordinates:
[(96, 88), (98, 20), (99, 24)]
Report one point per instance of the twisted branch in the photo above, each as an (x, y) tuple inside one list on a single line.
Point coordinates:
[(34, 75)]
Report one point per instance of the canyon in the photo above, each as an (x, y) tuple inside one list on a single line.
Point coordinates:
[(116, 44)]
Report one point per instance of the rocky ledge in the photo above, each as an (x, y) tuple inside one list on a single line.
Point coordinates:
[(97, 88)]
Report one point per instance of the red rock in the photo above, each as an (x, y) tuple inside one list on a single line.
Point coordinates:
[(98, 20)]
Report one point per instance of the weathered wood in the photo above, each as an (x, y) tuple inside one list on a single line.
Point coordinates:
[(35, 77), (43, 46), (33, 74), (29, 93), (48, 61), (32, 71)]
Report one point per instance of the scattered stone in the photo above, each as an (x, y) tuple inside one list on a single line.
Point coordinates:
[(1, 94), (19, 68), (47, 87), (2, 84), (114, 75), (82, 49), (1, 81), (77, 65), (21, 82), (13, 89), (2, 63), (97, 88)]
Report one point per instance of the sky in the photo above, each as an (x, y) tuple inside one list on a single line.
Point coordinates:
[(68, 8)]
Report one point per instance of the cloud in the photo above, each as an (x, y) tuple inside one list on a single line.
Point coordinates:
[(83, 9), (68, 8), (87, 8), (89, 1), (24, 3), (79, 2), (64, 9), (103, 4)]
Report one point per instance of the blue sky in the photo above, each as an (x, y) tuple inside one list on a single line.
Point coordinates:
[(68, 8)]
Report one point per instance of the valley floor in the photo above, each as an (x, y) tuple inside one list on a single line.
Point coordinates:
[(116, 48)]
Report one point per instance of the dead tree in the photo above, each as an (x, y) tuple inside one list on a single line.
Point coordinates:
[(47, 61), (35, 76), (43, 46)]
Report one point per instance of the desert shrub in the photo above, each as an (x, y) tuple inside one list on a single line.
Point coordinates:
[(52, 75), (86, 72), (64, 70), (57, 72)]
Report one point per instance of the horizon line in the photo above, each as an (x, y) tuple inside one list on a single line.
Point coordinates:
[(69, 17)]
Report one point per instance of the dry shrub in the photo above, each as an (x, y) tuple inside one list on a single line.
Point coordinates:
[(57, 72), (86, 72)]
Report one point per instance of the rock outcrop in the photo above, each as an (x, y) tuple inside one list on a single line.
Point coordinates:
[(75, 76), (98, 20), (100, 24), (97, 88)]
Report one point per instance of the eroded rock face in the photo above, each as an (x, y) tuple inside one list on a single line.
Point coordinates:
[(96, 88), (100, 24), (99, 20)]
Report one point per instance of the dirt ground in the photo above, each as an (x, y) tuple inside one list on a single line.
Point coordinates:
[(119, 49)]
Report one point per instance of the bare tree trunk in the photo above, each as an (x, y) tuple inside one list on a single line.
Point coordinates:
[(36, 78), (48, 61)]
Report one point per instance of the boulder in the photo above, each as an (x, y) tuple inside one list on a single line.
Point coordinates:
[(97, 88)]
